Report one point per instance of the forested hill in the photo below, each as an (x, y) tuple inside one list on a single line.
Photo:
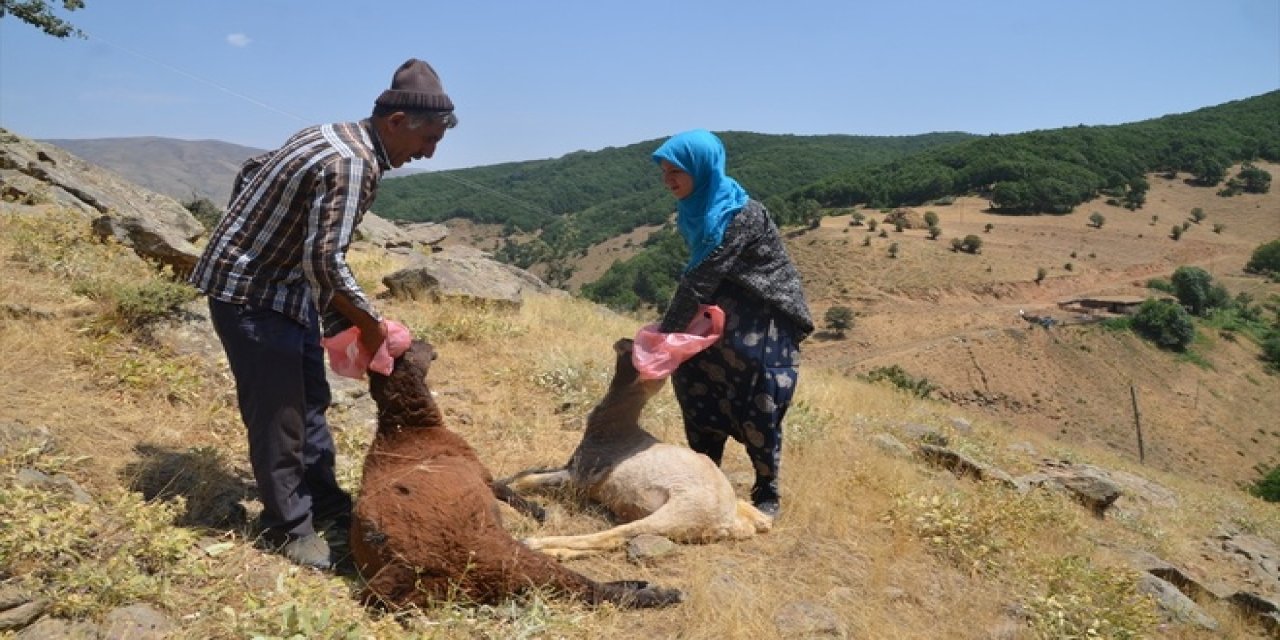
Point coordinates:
[(585, 197), (1052, 171)]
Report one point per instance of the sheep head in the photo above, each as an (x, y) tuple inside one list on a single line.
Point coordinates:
[(402, 397), (625, 374)]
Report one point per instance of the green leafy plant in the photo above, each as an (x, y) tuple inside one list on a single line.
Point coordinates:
[(1165, 323), (898, 377)]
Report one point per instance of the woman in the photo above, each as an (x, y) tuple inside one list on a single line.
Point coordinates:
[(742, 385)]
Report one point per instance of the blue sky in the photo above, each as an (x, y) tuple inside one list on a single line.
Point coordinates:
[(540, 79)]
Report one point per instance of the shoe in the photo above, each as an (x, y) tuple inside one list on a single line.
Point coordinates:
[(339, 524), (309, 551), (769, 507)]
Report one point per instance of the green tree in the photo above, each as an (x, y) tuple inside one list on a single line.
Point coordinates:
[(839, 319), (1197, 215), (1195, 289), (1176, 232), (1165, 323), (934, 232), (1209, 170), (1265, 259), (1136, 196), (39, 14), (1041, 274), (1254, 180), (930, 218), (972, 244), (1097, 220), (893, 250)]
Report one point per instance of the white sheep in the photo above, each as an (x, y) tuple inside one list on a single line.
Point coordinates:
[(651, 487)]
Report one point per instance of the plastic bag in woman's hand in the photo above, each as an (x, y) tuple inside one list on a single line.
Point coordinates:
[(347, 357), (656, 354)]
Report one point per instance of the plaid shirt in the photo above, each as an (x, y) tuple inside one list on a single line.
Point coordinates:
[(282, 244)]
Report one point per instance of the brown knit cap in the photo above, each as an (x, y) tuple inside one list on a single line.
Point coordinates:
[(415, 86)]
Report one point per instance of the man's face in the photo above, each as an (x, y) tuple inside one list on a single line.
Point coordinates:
[(405, 144)]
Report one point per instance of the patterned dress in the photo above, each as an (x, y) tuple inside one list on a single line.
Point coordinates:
[(742, 386)]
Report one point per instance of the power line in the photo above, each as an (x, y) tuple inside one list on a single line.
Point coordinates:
[(195, 77)]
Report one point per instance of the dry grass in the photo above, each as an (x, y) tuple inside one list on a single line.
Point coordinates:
[(893, 548)]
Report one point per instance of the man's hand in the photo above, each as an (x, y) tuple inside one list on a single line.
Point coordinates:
[(372, 337), (373, 332)]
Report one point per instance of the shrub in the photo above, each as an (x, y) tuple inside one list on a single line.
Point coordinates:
[(204, 211), (839, 319), (895, 375), (972, 244), (1197, 215), (1268, 487), (988, 227), (135, 306), (1097, 220), (1165, 323), (931, 218), (934, 232), (1160, 284), (1265, 259), (1176, 232), (1271, 350), (1041, 273)]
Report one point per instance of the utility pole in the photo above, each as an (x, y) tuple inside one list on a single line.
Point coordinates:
[(1137, 423)]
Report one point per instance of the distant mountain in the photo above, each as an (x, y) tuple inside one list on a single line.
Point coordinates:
[(177, 168)]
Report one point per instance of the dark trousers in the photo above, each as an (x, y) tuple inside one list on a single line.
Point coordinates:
[(278, 365), (741, 388)]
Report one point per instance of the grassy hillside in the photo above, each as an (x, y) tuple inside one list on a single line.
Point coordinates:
[(873, 543)]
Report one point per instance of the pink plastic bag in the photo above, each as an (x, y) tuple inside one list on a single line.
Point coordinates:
[(348, 358), (656, 355)]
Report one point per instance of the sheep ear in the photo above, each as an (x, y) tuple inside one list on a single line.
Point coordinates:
[(623, 345)]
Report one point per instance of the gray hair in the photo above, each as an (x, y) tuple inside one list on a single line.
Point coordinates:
[(416, 118)]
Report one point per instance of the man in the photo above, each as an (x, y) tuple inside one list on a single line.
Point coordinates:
[(276, 266)]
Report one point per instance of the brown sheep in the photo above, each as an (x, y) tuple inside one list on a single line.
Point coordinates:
[(650, 486), (426, 525)]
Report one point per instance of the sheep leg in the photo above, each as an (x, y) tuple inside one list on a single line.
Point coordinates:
[(664, 521), (519, 503), (537, 480)]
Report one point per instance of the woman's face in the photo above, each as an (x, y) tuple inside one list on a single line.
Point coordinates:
[(678, 182)]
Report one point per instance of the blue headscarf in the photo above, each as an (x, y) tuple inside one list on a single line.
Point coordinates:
[(702, 216)]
